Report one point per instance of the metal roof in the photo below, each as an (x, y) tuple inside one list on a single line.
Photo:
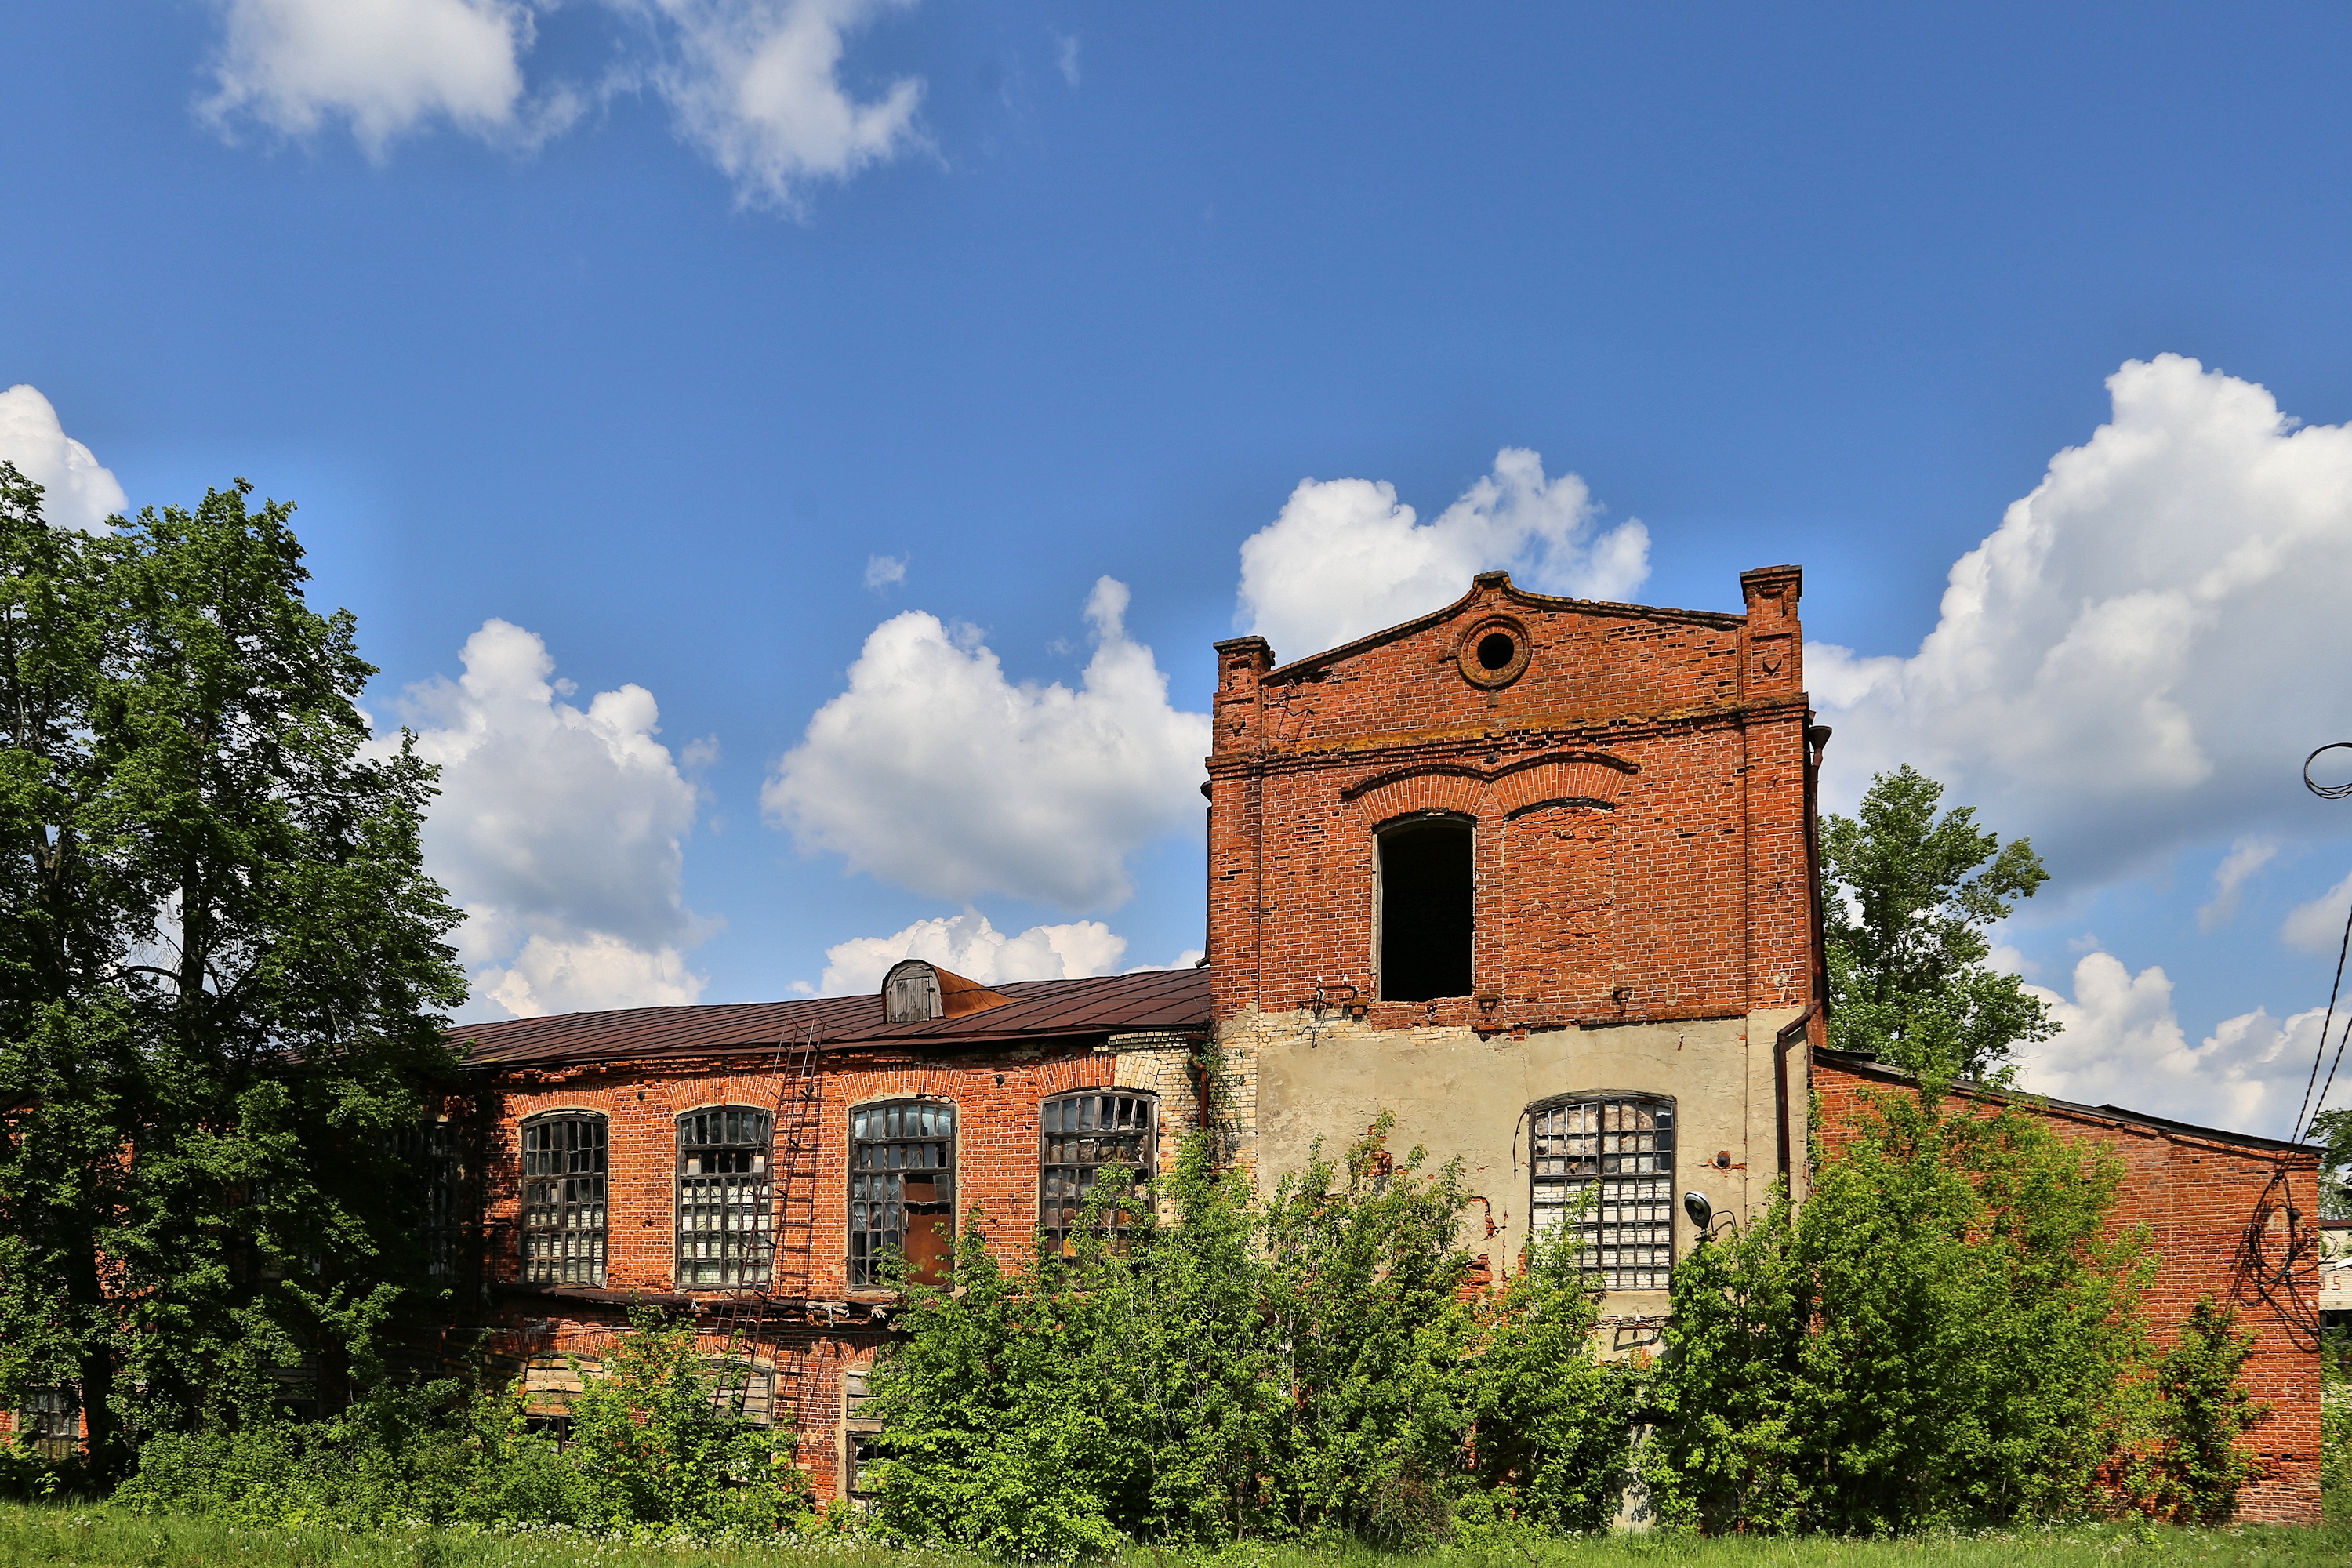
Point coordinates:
[(1040, 1010)]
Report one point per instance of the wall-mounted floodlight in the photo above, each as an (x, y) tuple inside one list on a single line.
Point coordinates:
[(1701, 1211)]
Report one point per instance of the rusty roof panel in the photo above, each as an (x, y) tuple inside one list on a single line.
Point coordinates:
[(1039, 1010)]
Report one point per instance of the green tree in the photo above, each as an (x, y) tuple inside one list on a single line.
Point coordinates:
[(1943, 1334), (1909, 895), (221, 967), (2334, 1129)]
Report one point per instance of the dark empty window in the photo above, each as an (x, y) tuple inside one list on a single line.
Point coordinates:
[(726, 1222), (1610, 1161), (901, 1190), (563, 1199), (1078, 1136), (1495, 650), (1425, 910)]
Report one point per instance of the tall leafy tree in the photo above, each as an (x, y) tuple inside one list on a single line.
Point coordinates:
[(221, 967), (1910, 893)]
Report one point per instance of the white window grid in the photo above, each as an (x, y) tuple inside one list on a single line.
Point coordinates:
[(564, 1216), (726, 1208), (1610, 1161)]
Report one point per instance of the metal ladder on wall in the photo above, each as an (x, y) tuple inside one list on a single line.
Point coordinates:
[(744, 1314)]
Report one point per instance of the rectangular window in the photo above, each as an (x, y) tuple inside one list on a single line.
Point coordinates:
[(726, 1212), (563, 1222), (1615, 1157), (1427, 904), (444, 1169), (1078, 1136), (901, 1190), (50, 1422)]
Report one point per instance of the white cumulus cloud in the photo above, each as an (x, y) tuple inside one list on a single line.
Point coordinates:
[(559, 831), (2318, 926), (935, 773), (2123, 1044), (1346, 557), (757, 85), (2138, 658), (2246, 856), (384, 68), (80, 492), (970, 946)]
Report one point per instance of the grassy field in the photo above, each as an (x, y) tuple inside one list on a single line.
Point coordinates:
[(106, 1538)]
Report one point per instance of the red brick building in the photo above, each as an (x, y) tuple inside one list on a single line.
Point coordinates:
[(1538, 876)]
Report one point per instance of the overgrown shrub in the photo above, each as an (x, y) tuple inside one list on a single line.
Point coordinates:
[(1943, 1334), (2200, 1462), (2336, 1424), (650, 1446), (1313, 1365)]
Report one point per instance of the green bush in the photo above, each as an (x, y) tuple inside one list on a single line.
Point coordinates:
[(1314, 1365), (1942, 1335), (650, 1446), (2199, 1461)]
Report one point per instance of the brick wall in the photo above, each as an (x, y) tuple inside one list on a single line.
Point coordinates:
[(997, 1098), (2203, 1196), (1638, 786)]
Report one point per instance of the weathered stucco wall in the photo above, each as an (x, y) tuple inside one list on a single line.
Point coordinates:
[(1466, 1093)]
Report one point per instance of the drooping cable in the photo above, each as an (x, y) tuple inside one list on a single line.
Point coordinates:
[(2309, 1107), (2325, 1026)]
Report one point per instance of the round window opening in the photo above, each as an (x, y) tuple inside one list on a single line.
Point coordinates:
[(1493, 652)]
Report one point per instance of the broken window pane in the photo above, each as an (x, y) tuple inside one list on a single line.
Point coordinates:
[(433, 1152), (1079, 1135), (563, 1199), (50, 1422), (1611, 1161), (1425, 910), (726, 1216), (901, 1189)]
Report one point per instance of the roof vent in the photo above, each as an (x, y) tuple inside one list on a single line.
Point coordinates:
[(916, 992)]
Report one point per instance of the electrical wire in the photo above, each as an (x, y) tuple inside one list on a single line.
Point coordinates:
[(2326, 1026), (2326, 791)]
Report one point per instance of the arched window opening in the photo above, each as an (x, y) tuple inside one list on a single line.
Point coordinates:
[(1606, 1165), (726, 1216), (563, 1226), (1425, 909), (1080, 1137), (901, 1190)]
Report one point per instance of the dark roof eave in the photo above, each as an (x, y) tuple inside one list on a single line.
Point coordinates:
[(1872, 1066)]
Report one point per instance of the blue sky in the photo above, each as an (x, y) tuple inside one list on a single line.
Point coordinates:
[(664, 335)]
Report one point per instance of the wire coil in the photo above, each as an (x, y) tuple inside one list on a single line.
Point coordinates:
[(2327, 792)]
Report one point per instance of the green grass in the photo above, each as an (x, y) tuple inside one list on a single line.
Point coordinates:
[(101, 1537)]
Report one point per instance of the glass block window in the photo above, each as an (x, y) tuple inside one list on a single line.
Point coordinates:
[(563, 1199), (1079, 1135), (901, 1190), (50, 1422), (1614, 1157), (726, 1210)]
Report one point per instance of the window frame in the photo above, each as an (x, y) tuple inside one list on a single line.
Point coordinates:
[(49, 1420), (1654, 1208), (755, 1153), (867, 1248), (1055, 1169), (586, 1164), (1399, 827)]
